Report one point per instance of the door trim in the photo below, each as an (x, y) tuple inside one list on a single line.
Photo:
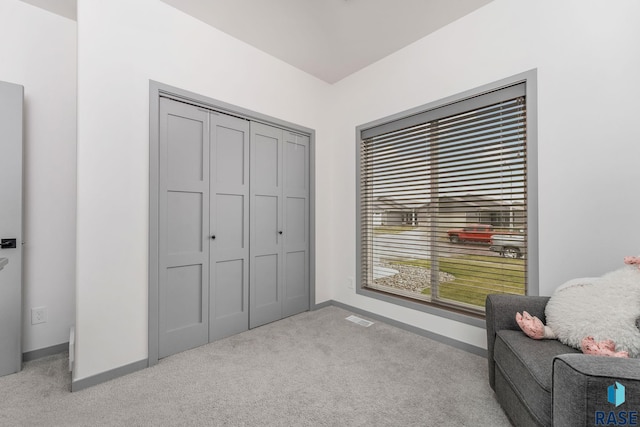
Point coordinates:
[(156, 91)]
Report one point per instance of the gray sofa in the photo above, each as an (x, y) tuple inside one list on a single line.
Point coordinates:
[(544, 382)]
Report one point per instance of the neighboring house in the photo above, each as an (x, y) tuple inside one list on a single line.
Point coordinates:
[(452, 211), (391, 211), (476, 209)]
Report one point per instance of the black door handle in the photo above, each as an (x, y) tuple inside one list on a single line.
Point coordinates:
[(8, 244), (279, 232), (213, 237)]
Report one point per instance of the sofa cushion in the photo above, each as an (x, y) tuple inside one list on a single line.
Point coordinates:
[(527, 365)]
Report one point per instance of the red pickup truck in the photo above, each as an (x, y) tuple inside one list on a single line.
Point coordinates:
[(472, 233)]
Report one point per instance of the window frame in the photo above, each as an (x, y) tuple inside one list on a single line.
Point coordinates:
[(529, 78)]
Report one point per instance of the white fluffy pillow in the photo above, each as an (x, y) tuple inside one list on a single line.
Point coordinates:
[(605, 308)]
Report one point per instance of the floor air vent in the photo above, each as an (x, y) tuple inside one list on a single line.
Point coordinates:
[(359, 321)]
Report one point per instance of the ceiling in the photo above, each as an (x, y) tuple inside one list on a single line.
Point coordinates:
[(66, 8), (329, 39)]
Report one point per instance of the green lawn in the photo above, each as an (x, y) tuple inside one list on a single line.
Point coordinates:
[(477, 276)]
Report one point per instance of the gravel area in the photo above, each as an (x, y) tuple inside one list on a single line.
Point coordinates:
[(410, 278)]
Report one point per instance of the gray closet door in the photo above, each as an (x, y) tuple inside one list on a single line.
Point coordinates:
[(296, 224), (266, 225), (11, 105), (229, 261), (279, 211), (233, 232), (184, 227)]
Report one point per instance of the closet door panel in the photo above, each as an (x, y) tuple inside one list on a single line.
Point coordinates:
[(295, 280), (230, 280), (230, 227), (231, 152), (229, 223), (183, 222), (266, 214), (184, 290), (265, 282), (296, 224), (265, 171), (266, 225)]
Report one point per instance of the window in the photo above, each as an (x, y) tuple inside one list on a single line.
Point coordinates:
[(443, 206)]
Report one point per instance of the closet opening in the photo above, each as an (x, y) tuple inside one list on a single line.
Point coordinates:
[(231, 220)]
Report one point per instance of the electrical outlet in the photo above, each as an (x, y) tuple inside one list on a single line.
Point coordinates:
[(350, 283), (38, 315)]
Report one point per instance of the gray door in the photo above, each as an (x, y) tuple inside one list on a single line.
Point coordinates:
[(11, 100), (279, 212), (184, 237), (296, 224), (233, 218), (266, 225), (229, 261)]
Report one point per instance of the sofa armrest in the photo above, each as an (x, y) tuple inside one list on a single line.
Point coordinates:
[(580, 389), (500, 312)]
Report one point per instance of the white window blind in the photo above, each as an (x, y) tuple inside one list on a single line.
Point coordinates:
[(443, 207)]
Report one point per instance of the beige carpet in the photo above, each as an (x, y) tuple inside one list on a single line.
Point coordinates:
[(313, 369)]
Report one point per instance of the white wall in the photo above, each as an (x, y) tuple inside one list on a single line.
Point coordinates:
[(38, 51), (588, 91), (123, 44)]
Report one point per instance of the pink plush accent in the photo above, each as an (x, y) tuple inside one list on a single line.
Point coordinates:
[(632, 260), (534, 328), (601, 348), (530, 325)]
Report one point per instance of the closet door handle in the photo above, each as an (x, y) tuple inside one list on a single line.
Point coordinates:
[(213, 237), (8, 243), (280, 232)]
